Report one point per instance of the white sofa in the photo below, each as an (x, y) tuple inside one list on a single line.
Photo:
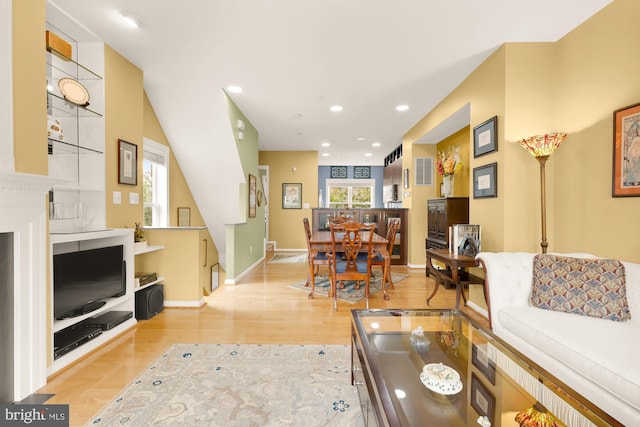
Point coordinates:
[(598, 358)]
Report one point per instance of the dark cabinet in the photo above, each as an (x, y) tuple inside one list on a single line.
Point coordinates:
[(382, 217), (441, 214)]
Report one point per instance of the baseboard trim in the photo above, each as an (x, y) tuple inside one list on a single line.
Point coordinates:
[(189, 304), (417, 266), (244, 273)]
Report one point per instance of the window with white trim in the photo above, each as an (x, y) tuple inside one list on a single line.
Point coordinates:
[(350, 193), (155, 189)]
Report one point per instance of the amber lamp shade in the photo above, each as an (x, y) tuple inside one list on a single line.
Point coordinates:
[(541, 147)]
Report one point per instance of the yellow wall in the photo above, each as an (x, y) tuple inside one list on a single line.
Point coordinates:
[(573, 85), (179, 192), (123, 120), (285, 225), (184, 262), (597, 74), (484, 90), (29, 95)]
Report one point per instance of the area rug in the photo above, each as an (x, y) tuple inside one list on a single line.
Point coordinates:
[(240, 385), (289, 258), (349, 293)]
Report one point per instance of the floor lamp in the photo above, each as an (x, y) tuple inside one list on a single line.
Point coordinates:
[(541, 147)]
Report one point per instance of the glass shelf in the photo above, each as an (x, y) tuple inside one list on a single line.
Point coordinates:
[(59, 107), (61, 147), (69, 67)]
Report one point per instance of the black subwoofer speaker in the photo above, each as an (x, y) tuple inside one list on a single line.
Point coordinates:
[(149, 302)]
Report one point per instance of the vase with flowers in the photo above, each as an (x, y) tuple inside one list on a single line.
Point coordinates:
[(448, 164)]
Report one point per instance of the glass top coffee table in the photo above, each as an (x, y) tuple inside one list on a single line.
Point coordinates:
[(454, 374)]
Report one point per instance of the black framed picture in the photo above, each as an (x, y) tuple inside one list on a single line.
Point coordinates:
[(127, 163), (338, 172), (485, 137), (291, 196), (482, 400), (362, 172), (480, 360), (485, 181)]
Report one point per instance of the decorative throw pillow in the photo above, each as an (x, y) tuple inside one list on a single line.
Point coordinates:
[(586, 286)]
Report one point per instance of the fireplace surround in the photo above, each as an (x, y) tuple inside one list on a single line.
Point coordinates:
[(23, 216)]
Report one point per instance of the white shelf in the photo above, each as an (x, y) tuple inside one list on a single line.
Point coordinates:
[(148, 249), (146, 285), (85, 348)]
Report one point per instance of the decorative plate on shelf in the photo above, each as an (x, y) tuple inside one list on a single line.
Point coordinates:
[(73, 91), (441, 379)]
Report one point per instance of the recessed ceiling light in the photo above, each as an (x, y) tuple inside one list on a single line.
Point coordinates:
[(361, 138), (325, 154), (402, 107), (130, 19), (325, 144), (376, 144), (234, 89), (336, 108), (368, 154)]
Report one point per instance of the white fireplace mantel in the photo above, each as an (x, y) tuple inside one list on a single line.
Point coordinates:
[(23, 213)]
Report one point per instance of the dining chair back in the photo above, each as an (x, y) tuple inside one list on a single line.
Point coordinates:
[(315, 258), (349, 242), (378, 260)]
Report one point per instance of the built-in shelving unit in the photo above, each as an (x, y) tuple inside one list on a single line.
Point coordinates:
[(63, 243), (76, 137)]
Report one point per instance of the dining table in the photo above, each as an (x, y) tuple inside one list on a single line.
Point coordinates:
[(321, 241)]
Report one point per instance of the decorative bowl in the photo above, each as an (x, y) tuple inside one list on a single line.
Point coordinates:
[(441, 379)]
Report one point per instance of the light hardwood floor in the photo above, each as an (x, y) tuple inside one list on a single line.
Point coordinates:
[(261, 309)]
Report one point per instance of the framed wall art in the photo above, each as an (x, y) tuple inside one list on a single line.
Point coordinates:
[(291, 196), (184, 217), (626, 152), (338, 172), (485, 181), (485, 137), (252, 196), (362, 172), (127, 163)]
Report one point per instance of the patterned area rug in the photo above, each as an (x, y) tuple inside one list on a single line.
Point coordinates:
[(289, 258), (240, 385), (349, 293)]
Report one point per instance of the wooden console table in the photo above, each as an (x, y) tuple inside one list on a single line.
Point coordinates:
[(455, 272)]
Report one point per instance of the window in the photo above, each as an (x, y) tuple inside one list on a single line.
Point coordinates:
[(155, 184), (350, 193)]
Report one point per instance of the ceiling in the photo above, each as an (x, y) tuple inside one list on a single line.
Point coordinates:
[(294, 59)]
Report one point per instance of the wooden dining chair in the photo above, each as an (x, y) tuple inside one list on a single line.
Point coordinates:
[(315, 258), (378, 259), (346, 261)]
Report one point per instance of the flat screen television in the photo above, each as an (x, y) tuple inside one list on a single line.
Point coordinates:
[(83, 280)]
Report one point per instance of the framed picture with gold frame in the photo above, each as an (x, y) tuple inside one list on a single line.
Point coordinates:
[(626, 152)]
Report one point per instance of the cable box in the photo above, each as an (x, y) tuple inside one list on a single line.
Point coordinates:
[(108, 320), (144, 278), (70, 338)]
